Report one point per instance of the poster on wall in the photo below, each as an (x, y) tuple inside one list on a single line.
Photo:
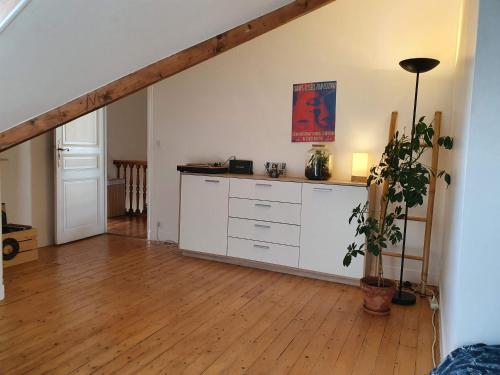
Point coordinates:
[(313, 116)]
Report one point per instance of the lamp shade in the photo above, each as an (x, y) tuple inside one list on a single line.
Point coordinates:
[(359, 166), (419, 64)]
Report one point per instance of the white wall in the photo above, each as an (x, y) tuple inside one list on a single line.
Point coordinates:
[(42, 188), (240, 102), (16, 183), (27, 186), (55, 51), (126, 127), (470, 301)]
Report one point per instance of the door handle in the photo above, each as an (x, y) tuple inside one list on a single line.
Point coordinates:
[(59, 150), (262, 205), (261, 246), (322, 189), (262, 226)]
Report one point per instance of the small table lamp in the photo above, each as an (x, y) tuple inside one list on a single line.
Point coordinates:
[(359, 167)]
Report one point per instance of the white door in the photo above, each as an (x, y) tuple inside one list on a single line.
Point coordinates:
[(325, 230), (203, 214), (80, 178)]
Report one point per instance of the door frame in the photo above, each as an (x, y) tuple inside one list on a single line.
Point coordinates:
[(149, 159)]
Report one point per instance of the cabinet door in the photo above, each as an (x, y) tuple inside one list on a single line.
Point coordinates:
[(204, 214), (326, 232)]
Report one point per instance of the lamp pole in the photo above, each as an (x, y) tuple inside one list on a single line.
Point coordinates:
[(415, 65)]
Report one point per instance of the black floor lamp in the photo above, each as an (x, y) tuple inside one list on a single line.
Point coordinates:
[(415, 65)]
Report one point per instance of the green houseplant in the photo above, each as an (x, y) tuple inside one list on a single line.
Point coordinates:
[(407, 180), (318, 163)]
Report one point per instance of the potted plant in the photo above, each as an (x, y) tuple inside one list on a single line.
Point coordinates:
[(318, 163), (407, 181)]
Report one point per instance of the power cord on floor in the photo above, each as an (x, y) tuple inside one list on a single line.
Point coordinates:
[(435, 339), (434, 305)]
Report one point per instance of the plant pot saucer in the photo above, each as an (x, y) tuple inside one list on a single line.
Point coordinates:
[(377, 313)]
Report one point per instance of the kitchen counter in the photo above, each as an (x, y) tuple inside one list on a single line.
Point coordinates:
[(283, 179)]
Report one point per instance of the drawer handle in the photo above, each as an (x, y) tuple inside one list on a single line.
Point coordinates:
[(262, 205), (265, 185), (322, 189), (214, 181), (262, 226), (261, 246)]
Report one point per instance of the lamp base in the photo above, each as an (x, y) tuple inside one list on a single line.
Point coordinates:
[(404, 298)]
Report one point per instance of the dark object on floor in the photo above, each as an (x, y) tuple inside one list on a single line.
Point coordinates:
[(201, 168), (478, 359), (10, 248), (241, 166)]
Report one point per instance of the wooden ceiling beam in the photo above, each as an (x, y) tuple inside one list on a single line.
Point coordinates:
[(156, 72)]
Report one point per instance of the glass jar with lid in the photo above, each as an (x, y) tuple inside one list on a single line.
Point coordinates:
[(318, 163)]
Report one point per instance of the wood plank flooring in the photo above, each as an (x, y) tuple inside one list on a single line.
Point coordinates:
[(117, 305), (130, 226)]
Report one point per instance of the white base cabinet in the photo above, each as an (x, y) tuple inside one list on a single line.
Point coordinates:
[(204, 214), (297, 224), (325, 229)]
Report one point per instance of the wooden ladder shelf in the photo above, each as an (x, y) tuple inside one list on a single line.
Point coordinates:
[(424, 258)]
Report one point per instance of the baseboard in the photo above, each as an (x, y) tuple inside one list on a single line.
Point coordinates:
[(273, 267), (161, 235)]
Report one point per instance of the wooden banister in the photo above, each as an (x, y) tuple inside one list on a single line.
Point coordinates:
[(133, 184)]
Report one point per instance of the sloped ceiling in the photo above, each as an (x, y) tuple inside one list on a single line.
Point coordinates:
[(57, 50)]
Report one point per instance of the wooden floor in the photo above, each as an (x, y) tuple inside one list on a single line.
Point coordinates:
[(130, 226), (112, 304)]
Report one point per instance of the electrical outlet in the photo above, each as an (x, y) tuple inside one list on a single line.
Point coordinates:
[(433, 302)]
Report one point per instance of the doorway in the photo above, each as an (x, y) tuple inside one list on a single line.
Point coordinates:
[(126, 129)]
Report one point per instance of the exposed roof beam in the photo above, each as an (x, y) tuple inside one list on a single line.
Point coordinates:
[(156, 72)]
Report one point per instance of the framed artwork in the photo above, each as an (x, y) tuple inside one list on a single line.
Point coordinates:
[(313, 116)]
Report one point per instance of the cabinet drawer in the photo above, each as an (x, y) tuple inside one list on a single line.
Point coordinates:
[(263, 252), (287, 213), (285, 234), (276, 191)]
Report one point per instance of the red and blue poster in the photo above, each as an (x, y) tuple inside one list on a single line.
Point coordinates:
[(313, 118)]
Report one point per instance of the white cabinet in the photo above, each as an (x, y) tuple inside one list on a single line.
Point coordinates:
[(297, 224), (204, 214), (325, 230)]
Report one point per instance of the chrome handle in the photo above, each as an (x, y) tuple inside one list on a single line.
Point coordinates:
[(266, 185), (262, 205), (322, 189), (214, 181), (262, 226), (62, 149), (261, 246)]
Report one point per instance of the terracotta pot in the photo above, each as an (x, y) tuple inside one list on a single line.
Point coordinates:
[(377, 299)]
